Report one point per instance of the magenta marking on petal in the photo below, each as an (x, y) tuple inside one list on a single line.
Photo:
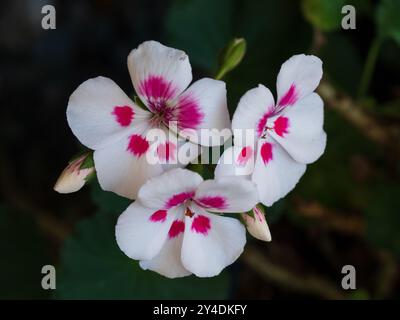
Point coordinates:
[(201, 224), (244, 155), (157, 91), (281, 126), (124, 115), (262, 123), (137, 145), (217, 202), (178, 199), (289, 98), (167, 151), (159, 216), (189, 114), (266, 152), (177, 227)]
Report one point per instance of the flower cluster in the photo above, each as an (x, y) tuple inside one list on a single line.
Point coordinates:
[(177, 224)]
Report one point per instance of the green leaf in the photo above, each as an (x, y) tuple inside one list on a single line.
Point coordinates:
[(383, 217), (201, 28), (93, 267), (23, 256), (388, 19), (108, 201), (325, 15)]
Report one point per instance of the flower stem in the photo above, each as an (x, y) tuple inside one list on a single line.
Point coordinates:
[(369, 67)]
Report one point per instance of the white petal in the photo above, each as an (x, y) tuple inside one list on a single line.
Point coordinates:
[(299, 76), (141, 232), (276, 173), (251, 114), (236, 161), (168, 261), (99, 113), (203, 106), (170, 189), (158, 73), (227, 194), (304, 138), (123, 171), (207, 251)]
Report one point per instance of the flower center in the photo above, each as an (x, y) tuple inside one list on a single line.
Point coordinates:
[(162, 113), (189, 212), (280, 126)]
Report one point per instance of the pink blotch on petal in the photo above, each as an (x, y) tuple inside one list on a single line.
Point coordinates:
[(266, 152), (289, 98), (201, 224), (244, 155), (138, 145), (281, 126), (177, 227), (156, 87), (159, 216), (166, 151), (124, 115), (178, 199), (189, 114), (262, 123), (217, 202)]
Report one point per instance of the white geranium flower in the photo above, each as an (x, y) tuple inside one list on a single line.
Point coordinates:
[(171, 229), (106, 120), (287, 135)]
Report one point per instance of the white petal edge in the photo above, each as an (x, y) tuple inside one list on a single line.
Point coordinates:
[(238, 194), (139, 237), (279, 176), (207, 255), (90, 112), (152, 58), (156, 192), (306, 139), (302, 71)]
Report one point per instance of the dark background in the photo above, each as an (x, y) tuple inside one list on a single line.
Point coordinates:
[(345, 210)]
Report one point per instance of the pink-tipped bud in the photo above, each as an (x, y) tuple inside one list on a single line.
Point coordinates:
[(75, 175), (257, 225)]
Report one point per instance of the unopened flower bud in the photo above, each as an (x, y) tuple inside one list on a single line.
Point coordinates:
[(231, 56), (256, 224), (76, 174)]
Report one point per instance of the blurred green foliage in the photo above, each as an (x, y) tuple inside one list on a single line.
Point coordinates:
[(388, 19), (383, 217), (24, 254), (324, 14)]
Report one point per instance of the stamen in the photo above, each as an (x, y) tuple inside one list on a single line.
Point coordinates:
[(189, 212)]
